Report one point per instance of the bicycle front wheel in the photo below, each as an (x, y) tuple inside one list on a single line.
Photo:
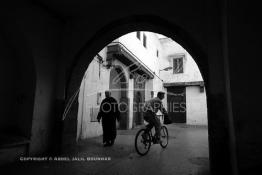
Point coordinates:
[(163, 137), (142, 142)]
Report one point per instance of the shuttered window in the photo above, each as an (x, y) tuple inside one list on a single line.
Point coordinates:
[(178, 65)]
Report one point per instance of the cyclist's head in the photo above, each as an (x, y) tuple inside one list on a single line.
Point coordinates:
[(161, 95)]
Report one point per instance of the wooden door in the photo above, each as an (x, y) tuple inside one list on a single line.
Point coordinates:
[(176, 104), (123, 107)]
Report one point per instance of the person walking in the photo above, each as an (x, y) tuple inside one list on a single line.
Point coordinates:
[(109, 113)]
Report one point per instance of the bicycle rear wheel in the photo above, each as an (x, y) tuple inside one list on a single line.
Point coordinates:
[(142, 142), (163, 137)]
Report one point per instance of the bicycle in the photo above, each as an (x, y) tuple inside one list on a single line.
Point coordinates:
[(144, 139)]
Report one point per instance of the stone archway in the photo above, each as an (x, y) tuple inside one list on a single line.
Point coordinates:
[(218, 122)]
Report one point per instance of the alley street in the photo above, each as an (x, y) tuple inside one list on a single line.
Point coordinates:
[(186, 154)]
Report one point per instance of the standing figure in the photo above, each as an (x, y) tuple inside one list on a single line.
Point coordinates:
[(109, 113)]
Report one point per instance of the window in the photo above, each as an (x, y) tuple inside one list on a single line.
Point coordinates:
[(144, 40), (178, 65), (138, 34)]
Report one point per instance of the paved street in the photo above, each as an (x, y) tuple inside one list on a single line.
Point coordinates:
[(187, 153)]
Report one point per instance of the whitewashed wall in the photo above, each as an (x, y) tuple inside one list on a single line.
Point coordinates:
[(191, 70), (90, 86), (146, 55), (196, 106)]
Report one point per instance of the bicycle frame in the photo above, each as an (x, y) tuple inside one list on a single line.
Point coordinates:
[(150, 141)]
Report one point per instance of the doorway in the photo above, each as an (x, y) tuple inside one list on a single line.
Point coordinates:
[(118, 87), (176, 100)]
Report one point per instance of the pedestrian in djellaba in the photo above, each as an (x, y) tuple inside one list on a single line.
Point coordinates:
[(109, 113)]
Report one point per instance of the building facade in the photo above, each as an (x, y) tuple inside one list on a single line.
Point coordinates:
[(186, 96), (131, 68), (127, 67)]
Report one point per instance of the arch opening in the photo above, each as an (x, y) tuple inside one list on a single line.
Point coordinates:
[(139, 89)]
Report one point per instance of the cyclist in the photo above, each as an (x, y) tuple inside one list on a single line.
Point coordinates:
[(150, 109)]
